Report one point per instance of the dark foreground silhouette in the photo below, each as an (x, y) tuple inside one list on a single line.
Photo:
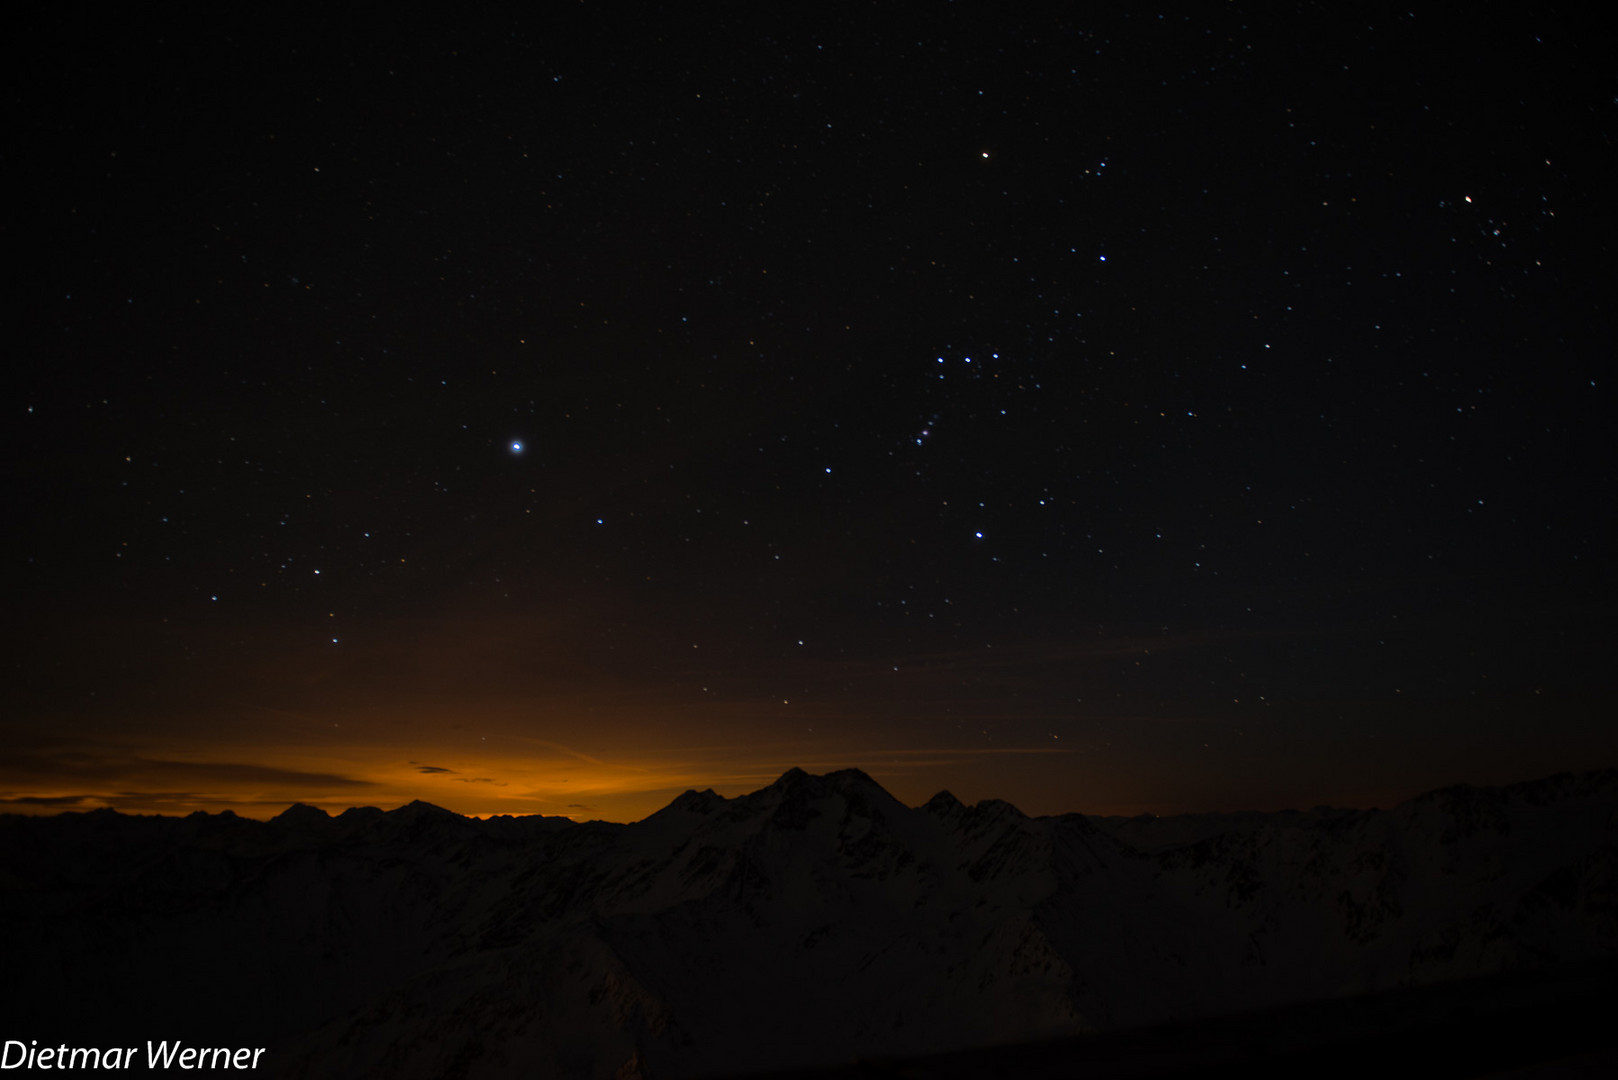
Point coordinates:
[(1543, 1025), (820, 924)]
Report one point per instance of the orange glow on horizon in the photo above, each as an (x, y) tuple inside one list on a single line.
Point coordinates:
[(511, 774)]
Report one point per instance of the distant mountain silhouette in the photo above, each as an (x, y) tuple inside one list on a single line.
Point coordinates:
[(812, 922)]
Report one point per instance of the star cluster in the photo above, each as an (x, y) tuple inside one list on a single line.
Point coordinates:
[(1218, 398)]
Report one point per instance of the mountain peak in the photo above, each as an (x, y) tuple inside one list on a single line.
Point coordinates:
[(302, 814), (999, 809), (419, 809), (696, 802), (839, 780), (855, 785), (843, 779)]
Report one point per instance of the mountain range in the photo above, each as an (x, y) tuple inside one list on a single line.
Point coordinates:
[(814, 922)]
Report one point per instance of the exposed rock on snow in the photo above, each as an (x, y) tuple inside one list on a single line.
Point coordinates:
[(810, 922)]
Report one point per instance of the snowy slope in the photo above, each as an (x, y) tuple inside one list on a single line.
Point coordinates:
[(811, 922)]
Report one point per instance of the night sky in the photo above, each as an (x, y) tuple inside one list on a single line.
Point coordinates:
[(1117, 413)]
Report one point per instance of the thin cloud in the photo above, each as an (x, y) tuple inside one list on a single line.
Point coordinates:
[(975, 750), (77, 767), (239, 772), (49, 800)]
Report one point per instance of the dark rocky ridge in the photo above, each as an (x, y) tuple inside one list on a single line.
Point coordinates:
[(810, 922)]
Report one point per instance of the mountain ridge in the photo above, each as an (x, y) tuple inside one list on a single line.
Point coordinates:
[(815, 920), (1453, 794)]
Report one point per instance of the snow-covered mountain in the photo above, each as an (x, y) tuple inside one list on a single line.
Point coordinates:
[(812, 922)]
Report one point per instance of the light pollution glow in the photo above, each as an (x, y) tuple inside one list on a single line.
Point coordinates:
[(487, 717), (539, 778)]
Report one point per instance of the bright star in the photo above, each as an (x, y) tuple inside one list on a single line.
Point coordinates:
[(516, 447)]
